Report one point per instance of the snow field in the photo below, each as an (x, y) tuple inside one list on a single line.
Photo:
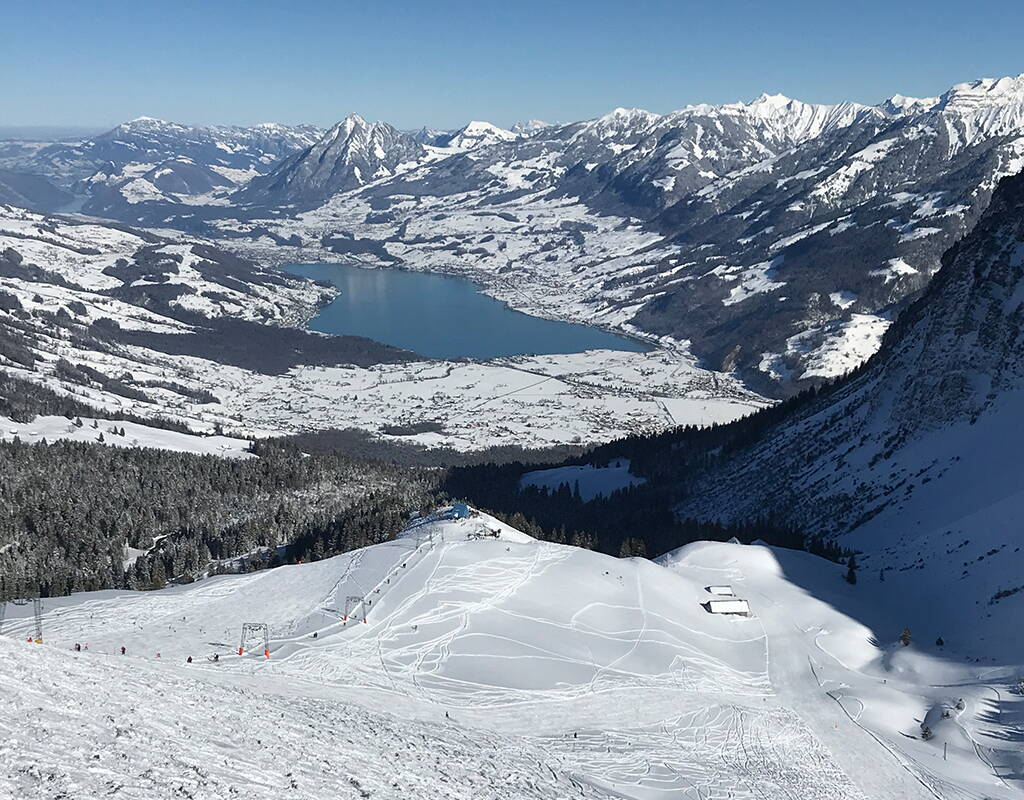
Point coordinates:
[(593, 676), (135, 435)]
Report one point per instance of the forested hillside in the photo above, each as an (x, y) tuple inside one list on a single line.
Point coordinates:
[(74, 516)]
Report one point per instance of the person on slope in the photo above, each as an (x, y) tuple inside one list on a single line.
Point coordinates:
[(122, 651), (188, 660), (78, 647)]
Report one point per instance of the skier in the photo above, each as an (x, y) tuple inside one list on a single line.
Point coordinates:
[(122, 651), (78, 647), (188, 660), (216, 657)]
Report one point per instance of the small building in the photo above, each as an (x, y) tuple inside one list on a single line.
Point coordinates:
[(721, 591), (734, 606)]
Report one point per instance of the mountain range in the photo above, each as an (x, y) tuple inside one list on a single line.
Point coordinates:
[(775, 240)]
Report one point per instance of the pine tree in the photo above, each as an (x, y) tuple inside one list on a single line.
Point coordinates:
[(851, 570)]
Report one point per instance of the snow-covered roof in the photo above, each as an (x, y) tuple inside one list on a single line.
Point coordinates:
[(728, 607)]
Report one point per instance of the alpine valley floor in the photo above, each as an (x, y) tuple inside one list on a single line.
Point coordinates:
[(465, 659)]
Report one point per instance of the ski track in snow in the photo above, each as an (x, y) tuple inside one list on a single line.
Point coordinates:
[(486, 667)]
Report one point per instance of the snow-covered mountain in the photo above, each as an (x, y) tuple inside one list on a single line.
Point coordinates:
[(778, 238), (529, 127), (153, 141), (429, 136), (349, 155), (465, 659), (475, 134), (153, 161), (916, 459)]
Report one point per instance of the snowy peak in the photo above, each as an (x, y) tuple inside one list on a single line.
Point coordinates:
[(476, 134), (900, 104), (794, 121), (351, 154), (348, 126), (530, 127), (772, 101), (984, 93), (621, 121)]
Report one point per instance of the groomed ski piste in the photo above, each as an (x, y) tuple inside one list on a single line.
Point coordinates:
[(465, 659)]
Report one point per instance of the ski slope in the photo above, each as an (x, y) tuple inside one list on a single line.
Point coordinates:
[(536, 669)]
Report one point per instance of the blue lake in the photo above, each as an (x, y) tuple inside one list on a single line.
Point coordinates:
[(443, 317)]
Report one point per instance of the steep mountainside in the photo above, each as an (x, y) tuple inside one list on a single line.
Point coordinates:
[(778, 238), (916, 459)]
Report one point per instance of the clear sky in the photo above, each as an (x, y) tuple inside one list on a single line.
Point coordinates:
[(443, 62)]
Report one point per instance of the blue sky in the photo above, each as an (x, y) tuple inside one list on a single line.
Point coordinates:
[(443, 62)]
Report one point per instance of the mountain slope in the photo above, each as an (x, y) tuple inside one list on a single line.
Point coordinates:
[(147, 140), (915, 460)]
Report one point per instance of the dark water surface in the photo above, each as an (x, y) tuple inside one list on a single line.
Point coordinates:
[(443, 317)]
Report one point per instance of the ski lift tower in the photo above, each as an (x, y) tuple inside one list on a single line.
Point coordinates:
[(37, 612), (352, 605), (254, 631), (37, 615)]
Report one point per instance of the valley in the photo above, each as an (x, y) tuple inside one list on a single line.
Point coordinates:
[(638, 455)]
